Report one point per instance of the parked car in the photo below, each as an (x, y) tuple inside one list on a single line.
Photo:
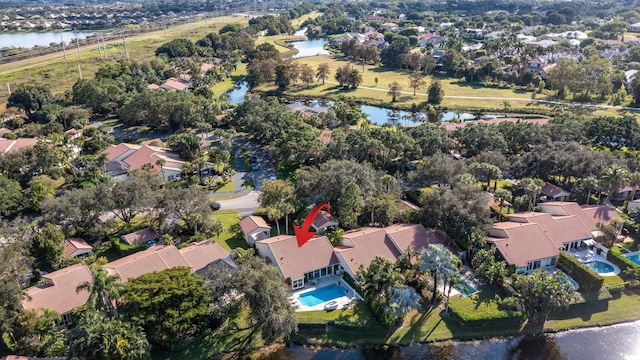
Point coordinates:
[(254, 166)]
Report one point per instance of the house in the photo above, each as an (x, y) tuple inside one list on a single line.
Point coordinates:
[(4, 131), (437, 54), (177, 84), (491, 201), (299, 265), (348, 36), (624, 192), (429, 39), (203, 255), (58, 292), (74, 247), (124, 157), (530, 241), (575, 34), (155, 258), (254, 228), (389, 26), (635, 27), (9, 146), (629, 76), (632, 205), (142, 236), (555, 192), (324, 221), (407, 205), (73, 133), (361, 246), (589, 215)]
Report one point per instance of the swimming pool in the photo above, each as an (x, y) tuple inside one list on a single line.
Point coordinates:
[(635, 258), (566, 278), (600, 267), (321, 295), (465, 289)]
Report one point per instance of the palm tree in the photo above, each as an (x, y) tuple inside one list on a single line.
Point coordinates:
[(336, 237), (161, 162), (404, 299), (379, 279), (103, 291), (532, 187), (589, 183), (274, 214), (440, 262), (614, 177), (634, 181), (452, 278), (501, 196), (217, 227), (286, 207)]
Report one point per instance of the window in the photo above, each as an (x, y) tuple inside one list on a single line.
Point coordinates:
[(553, 261), (171, 177), (316, 274), (297, 283), (323, 272)]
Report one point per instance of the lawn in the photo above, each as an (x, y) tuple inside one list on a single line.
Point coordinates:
[(60, 74), (228, 187), (231, 238), (228, 83)]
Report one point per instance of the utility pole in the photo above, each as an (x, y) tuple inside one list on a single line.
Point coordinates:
[(124, 41), (77, 41), (64, 50)]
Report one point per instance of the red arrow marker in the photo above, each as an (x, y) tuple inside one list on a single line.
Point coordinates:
[(302, 233)]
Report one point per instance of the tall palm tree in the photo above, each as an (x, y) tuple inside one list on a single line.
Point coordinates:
[(614, 177), (501, 196), (589, 183), (634, 181), (217, 227), (286, 208), (439, 261), (274, 214), (103, 291)]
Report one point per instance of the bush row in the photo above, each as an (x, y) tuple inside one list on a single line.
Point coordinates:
[(588, 279), (615, 256), (125, 249), (479, 318), (615, 288)]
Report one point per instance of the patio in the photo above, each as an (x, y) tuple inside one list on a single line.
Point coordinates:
[(588, 255), (342, 302)]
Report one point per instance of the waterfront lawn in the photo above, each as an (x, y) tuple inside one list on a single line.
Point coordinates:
[(221, 88), (358, 316)]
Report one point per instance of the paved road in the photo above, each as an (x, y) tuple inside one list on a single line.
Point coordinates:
[(246, 204)]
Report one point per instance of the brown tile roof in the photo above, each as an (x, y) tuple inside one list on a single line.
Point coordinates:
[(153, 87), (325, 136), (155, 258), (251, 223), (140, 237), (205, 67), (322, 219), (367, 244), (115, 151), (491, 200), (524, 242), (176, 84), (553, 191), (418, 238), (199, 255), (559, 229), (295, 261), (4, 130), (73, 244), (7, 146), (59, 292), (407, 205), (72, 132), (601, 214)]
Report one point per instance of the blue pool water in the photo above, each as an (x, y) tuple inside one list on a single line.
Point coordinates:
[(465, 289), (600, 267), (321, 295), (635, 258)]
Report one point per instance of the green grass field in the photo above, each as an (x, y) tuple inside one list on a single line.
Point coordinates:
[(229, 240)]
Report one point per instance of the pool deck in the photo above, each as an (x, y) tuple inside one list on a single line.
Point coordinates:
[(590, 255), (344, 302)]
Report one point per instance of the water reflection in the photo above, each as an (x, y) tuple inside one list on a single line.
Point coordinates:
[(535, 347)]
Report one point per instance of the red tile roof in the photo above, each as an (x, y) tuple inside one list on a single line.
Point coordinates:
[(553, 191), (322, 219), (362, 245), (602, 214), (524, 242), (250, 223), (140, 237), (59, 293), (7, 146), (71, 245), (416, 237)]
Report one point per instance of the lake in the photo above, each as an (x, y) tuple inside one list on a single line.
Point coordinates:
[(310, 48), (31, 39), (617, 342)]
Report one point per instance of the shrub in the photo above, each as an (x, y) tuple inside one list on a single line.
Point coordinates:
[(615, 288), (489, 317), (508, 303), (588, 279), (615, 256), (125, 249), (634, 284)]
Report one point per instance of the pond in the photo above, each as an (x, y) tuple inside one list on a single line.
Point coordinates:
[(31, 39), (236, 95), (610, 342), (310, 48)]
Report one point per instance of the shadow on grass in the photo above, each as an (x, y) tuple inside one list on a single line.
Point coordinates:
[(485, 296), (478, 86), (583, 311)]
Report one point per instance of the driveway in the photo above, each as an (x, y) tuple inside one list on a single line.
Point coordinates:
[(246, 204)]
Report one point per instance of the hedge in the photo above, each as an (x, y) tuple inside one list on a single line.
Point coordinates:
[(615, 288), (478, 318), (588, 278), (615, 256), (305, 323), (589, 296), (125, 249), (358, 325)]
